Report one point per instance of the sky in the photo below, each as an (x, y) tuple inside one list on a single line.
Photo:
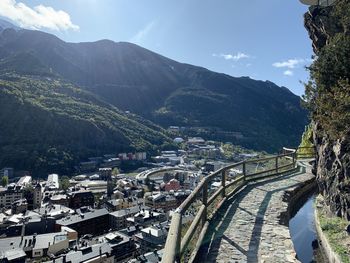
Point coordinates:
[(265, 40)]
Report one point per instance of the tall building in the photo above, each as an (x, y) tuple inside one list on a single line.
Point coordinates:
[(38, 196), (6, 172)]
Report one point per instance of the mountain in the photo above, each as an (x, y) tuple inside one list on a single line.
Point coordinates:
[(50, 125), (252, 113), (5, 24)]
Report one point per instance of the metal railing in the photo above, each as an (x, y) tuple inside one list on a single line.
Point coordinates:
[(183, 242)]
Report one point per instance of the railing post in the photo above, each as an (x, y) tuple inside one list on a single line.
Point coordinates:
[(173, 242), (295, 155), (244, 171), (276, 164), (205, 202), (223, 183)]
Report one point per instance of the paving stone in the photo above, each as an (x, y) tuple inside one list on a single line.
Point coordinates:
[(250, 229)]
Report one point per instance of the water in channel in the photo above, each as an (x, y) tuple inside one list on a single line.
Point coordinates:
[(303, 231)]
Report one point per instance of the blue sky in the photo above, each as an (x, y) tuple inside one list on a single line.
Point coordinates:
[(261, 39)]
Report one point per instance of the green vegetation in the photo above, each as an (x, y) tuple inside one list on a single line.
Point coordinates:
[(28, 192), (328, 92), (4, 181), (115, 171), (51, 125), (230, 150), (306, 148), (256, 114), (64, 183), (236, 110), (335, 230)]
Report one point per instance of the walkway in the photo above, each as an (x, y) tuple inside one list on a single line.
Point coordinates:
[(250, 228)]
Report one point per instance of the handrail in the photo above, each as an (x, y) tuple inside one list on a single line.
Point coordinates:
[(310, 151), (176, 246)]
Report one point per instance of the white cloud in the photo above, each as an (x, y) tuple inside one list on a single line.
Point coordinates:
[(234, 57), (288, 72), (35, 18), (290, 63), (139, 36)]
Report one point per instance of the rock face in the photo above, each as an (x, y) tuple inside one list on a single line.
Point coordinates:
[(332, 156), (333, 172), (321, 26)]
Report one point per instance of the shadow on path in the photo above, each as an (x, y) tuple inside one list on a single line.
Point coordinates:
[(215, 234)]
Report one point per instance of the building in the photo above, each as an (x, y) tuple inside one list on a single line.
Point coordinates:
[(38, 196), (24, 181), (147, 217), (111, 163), (196, 141), (10, 195), (113, 247), (7, 172), (118, 219), (19, 206), (141, 156), (174, 128), (95, 186), (213, 166), (54, 211), (161, 201), (123, 247), (60, 199), (52, 182), (13, 249), (87, 166), (173, 184), (152, 238), (150, 257), (178, 140), (118, 204), (28, 223), (105, 173), (80, 199), (86, 221)]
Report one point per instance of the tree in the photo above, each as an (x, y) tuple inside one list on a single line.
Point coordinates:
[(64, 183), (4, 181), (115, 171), (327, 94)]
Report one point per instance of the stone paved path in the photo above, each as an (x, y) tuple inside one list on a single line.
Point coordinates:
[(250, 229)]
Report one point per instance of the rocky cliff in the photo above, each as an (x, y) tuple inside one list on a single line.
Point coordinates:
[(328, 28)]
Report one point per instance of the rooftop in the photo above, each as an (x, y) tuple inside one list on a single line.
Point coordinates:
[(80, 217), (41, 241), (128, 211)]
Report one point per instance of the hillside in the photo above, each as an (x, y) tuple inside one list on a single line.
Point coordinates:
[(162, 90), (49, 125)]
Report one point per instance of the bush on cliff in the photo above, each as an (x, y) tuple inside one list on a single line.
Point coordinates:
[(328, 92)]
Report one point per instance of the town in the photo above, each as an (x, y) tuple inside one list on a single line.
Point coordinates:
[(102, 214)]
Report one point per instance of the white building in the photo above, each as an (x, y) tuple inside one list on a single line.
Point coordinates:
[(52, 182), (23, 181)]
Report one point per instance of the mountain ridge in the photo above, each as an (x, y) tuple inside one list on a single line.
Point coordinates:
[(162, 90)]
